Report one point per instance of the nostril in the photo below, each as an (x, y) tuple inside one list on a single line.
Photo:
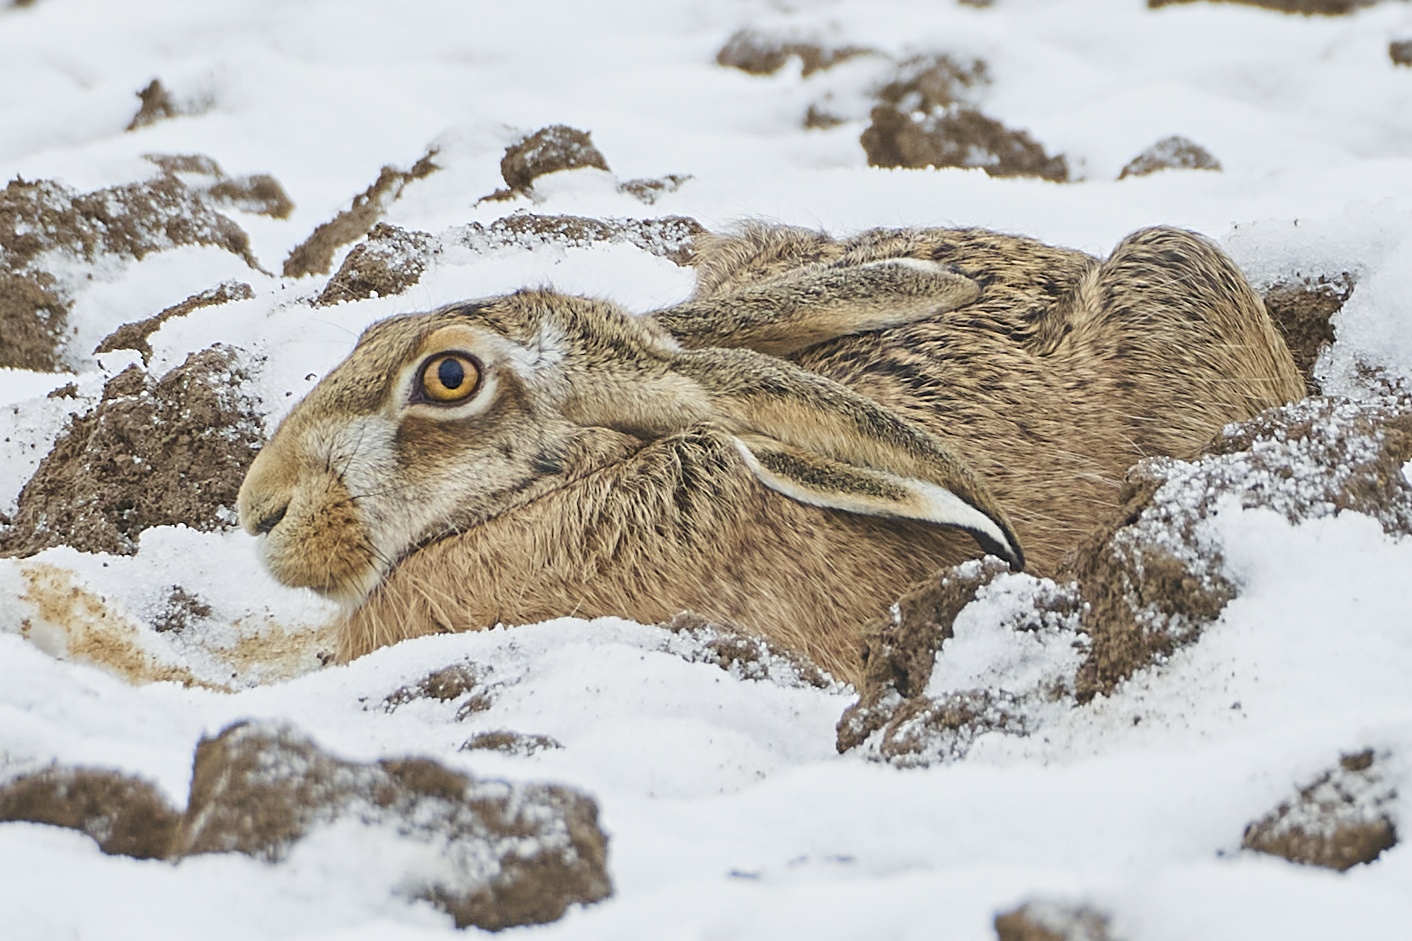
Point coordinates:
[(269, 522)]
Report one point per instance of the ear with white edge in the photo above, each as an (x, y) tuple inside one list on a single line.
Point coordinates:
[(819, 481), (800, 309)]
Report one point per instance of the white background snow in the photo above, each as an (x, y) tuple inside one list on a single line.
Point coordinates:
[(729, 813)]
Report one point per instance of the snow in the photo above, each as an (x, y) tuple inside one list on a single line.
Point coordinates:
[(729, 812)]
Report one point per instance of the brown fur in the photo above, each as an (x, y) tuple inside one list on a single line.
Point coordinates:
[(681, 525), (1035, 397), (1064, 373)]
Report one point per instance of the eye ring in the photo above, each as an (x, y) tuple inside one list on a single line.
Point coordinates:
[(449, 378)]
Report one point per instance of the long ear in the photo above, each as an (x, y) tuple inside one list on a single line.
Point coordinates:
[(818, 481), (818, 303), (819, 442)]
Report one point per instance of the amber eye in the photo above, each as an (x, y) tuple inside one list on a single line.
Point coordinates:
[(450, 378)]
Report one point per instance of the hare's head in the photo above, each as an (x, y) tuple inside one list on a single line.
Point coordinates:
[(438, 422)]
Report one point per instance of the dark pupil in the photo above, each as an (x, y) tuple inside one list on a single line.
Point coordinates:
[(451, 374)]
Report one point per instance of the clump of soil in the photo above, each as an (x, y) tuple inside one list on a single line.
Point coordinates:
[(671, 237), (818, 117), (508, 854), (180, 609), (33, 312), (510, 743), (391, 260), (928, 84), (1155, 581), (43, 221), (1337, 821), (315, 254), (259, 193), (650, 190), (961, 137), (461, 680), (126, 816), (1138, 588), (760, 54), (1306, 7), (741, 654), (161, 453), (1147, 595), (134, 336), (1400, 51), (1171, 153), (548, 150), (198, 164), (1303, 310), (895, 718), (387, 262), (157, 105), (1052, 921), (925, 118)]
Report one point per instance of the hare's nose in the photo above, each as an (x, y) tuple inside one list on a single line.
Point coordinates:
[(269, 521), (266, 493)]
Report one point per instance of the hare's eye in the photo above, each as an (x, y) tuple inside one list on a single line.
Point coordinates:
[(450, 378)]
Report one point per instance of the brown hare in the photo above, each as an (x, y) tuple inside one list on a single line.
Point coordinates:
[(822, 425)]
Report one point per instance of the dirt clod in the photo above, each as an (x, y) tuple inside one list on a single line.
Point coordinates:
[(126, 816), (1400, 51), (260, 193), (44, 221), (1143, 599), (391, 260), (315, 254), (760, 54), (387, 263), (180, 609), (928, 84), (671, 237), (548, 150), (161, 453), (443, 685), (1303, 311), (741, 654), (510, 743), (650, 190), (1051, 921), (1338, 820), (894, 717), (505, 854), (1170, 153), (511, 854), (927, 117), (157, 105), (959, 137), (1137, 589), (134, 336), (198, 164)]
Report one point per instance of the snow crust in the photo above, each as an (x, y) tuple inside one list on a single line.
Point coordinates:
[(729, 812)]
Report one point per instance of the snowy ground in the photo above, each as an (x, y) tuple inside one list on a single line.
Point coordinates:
[(729, 812)]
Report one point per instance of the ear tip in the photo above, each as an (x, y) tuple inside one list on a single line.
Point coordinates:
[(1008, 551)]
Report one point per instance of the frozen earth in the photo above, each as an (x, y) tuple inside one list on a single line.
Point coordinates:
[(279, 134)]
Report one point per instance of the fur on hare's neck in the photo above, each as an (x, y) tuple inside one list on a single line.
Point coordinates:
[(683, 525)]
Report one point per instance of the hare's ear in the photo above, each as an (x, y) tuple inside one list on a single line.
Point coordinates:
[(814, 304), (819, 442), (819, 481)]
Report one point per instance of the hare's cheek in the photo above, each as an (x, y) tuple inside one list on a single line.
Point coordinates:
[(321, 543)]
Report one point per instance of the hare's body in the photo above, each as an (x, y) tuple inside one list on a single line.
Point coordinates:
[(984, 386), (1067, 370)]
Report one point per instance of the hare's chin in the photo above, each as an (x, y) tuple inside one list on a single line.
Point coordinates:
[(345, 587)]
